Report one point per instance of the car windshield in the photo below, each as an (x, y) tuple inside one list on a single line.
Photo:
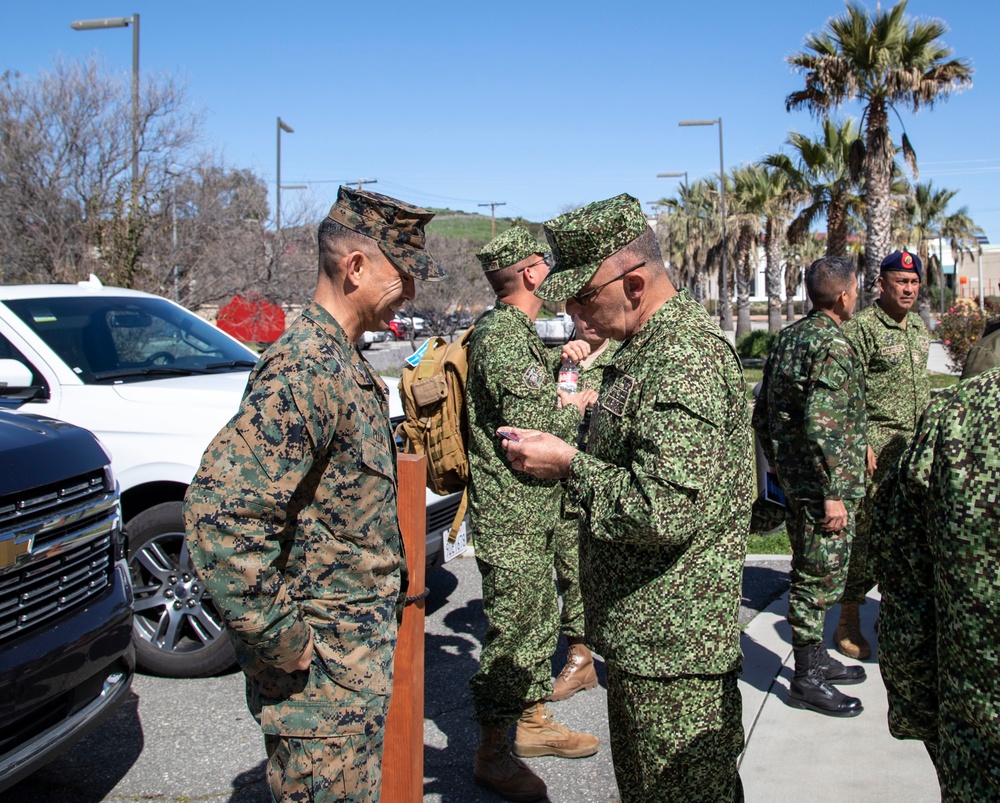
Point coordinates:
[(109, 338)]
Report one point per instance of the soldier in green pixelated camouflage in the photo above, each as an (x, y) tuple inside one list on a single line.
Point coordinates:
[(892, 346), (291, 518), (937, 529), (664, 490), (810, 421), (578, 673), (512, 382)]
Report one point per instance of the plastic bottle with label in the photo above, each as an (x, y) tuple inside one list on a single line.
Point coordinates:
[(569, 377)]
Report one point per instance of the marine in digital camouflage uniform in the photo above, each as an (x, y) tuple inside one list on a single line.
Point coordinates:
[(810, 421), (513, 516), (892, 346), (578, 673), (665, 492), (938, 525), (291, 518)]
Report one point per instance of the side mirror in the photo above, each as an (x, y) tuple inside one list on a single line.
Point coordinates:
[(14, 374)]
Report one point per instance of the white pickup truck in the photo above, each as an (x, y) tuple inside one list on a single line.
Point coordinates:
[(155, 383), (556, 330)]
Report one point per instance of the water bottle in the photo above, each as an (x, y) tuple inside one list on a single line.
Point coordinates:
[(568, 377)]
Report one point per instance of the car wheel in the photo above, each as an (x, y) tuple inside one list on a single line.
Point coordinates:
[(178, 632)]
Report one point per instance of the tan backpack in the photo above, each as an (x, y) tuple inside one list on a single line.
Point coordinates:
[(435, 425)]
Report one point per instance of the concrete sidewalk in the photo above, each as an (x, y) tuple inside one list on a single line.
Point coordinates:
[(793, 755)]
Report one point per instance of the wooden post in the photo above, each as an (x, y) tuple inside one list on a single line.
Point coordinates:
[(403, 760)]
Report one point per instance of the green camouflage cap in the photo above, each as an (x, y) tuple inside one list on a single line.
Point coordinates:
[(397, 227), (509, 247), (582, 239)]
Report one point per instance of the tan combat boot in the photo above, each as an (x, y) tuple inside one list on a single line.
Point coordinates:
[(847, 638), (577, 675), (539, 734), (496, 769)]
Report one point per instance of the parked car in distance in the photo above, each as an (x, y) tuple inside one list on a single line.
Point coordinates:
[(399, 329), (155, 383), (367, 338), (413, 323), (556, 330), (66, 653)]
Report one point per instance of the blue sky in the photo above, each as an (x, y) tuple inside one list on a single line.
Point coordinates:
[(540, 105)]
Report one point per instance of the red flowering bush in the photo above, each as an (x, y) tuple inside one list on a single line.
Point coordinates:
[(958, 329)]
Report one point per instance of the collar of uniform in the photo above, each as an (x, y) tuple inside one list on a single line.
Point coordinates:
[(887, 320), (510, 311), (678, 308), (322, 318), (824, 317), (325, 321)]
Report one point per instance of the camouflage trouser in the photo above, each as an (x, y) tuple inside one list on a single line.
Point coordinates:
[(675, 739), (522, 628), (819, 568), (336, 768), (967, 760), (862, 572), (566, 541)]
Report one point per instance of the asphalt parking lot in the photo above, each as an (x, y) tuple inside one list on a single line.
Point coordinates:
[(193, 740)]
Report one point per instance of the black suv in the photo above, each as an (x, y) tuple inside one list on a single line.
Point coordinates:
[(66, 653)]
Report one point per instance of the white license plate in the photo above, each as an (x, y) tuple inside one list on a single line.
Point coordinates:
[(452, 549)]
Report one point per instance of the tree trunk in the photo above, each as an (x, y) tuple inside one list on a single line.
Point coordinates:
[(836, 228), (772, 275), (790, 308), (743, 274), (878, 179)]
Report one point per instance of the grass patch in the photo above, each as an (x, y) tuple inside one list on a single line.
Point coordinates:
[(775, 543), (939, 381)]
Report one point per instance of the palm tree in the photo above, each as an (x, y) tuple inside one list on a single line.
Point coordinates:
[(883, 60), (744, 214), (690, 226), (962, 235), (924, 212), (821, 172), (799, 256)]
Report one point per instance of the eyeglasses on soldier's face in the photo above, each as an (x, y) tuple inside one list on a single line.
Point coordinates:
[(546, 258), (584, 298)]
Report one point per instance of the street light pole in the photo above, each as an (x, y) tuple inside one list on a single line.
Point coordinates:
[(282, 126), (123, 22), (727, 310), (675, 175)]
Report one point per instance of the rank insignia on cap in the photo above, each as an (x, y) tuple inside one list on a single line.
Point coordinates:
[(907, 260), (534, 377)]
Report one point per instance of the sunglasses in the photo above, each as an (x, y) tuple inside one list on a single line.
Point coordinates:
[(583, 298), (546, 258)]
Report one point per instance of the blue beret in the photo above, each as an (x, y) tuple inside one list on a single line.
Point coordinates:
[(902, 261)]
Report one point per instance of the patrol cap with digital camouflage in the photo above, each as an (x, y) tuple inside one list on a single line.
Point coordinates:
[(509, 247), (582, 239), (397, 227)]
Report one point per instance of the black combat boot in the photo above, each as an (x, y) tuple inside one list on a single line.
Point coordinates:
[(837, 673), (810, 690)]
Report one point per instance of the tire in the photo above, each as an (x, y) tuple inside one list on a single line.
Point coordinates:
[(178, 633)]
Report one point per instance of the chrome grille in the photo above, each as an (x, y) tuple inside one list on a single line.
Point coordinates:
[(53, 585)]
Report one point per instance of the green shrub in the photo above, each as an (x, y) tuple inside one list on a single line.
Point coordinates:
[(959, 328), (756, 345)]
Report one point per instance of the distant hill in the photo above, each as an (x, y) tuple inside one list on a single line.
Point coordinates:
[(453, 223)]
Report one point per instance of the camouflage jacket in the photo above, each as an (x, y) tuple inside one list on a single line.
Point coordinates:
[(511, 381), (292, 526), (665, 489), (810, 412), (894, 362), (937, 527)]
